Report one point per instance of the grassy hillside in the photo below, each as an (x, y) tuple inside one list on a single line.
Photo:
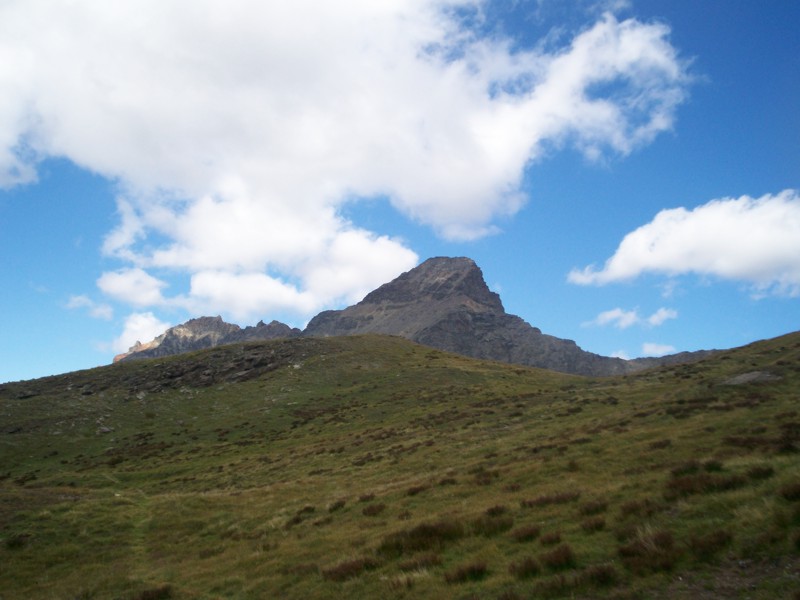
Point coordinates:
[(369, 467)]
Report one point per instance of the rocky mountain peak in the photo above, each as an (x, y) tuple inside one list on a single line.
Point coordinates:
[(443, 303), (438, 279)]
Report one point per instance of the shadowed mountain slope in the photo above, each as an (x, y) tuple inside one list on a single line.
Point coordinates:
[(445, 303)]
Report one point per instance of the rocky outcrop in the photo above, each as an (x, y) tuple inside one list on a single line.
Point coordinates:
[(205, 332), (445, 303)]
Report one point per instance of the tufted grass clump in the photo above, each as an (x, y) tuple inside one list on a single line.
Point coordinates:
[(790, 491), (559, 558), (526, 533), (473, 571), (525, 568), (705, 547), (492, 522), (548, 499), (349, 569), (650, 552), (421, 562), (423, 537)]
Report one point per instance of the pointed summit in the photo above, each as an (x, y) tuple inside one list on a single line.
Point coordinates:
[(413, 302), (445, 303), (439, 279)]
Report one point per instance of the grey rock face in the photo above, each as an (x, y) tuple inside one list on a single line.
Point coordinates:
[(445, 303)]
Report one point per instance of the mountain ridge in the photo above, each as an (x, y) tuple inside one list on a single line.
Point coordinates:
[(443, 303), (205, 332)]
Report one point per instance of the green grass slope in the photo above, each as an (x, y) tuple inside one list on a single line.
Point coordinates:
[(370, 467)]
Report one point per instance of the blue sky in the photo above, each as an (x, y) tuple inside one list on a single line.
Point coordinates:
[(625, 173)]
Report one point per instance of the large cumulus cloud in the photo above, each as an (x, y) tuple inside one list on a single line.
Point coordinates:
[(237, 131)]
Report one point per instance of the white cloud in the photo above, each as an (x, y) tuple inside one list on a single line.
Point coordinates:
[(653, 349), (237, 133), (622, 319), (661, 315), (245, 294), (132, 286), (98, 311), (139, 327), (744, 239)]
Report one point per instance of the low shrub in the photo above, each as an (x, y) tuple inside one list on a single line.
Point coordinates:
[(593, 524), (496, 511), (713, 466), (650, 552), (295, 520), (366, 497), (549, 539), (338, 505), (161, 592), (526, 533), (703, 483), (790, 491), (600, 575), (527, 567), (640, 508), (349, 569), (595, 507), (559, 558), (487, 525), (17, 541), (704, 547), (416, 489), (373, 510), (760, 472), (474, 571), (423, 537)]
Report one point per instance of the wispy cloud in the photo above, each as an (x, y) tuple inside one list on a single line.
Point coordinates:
[(653, 349), (617, 317), (97, 310), (661, 315), (745, 239), (238, 133), (623, 319)]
